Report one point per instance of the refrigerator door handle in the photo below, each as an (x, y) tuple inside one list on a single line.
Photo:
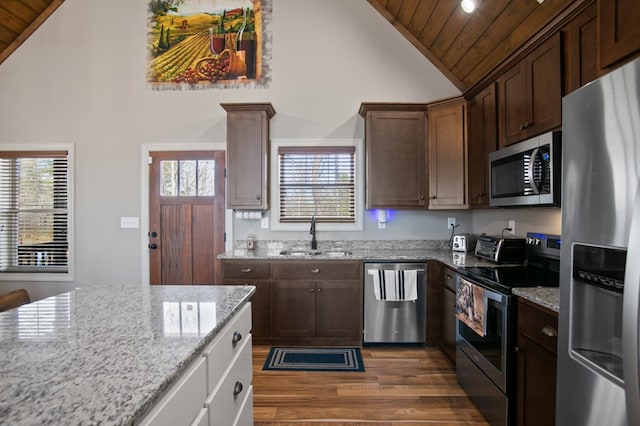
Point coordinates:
[(631, 316)]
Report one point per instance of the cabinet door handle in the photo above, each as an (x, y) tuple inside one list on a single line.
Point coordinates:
[(547, 330), (315, 271), (258, 197), (245, 270), (448, 276), (236, 338), (422, 197), (433, 197), (237, 389), (319, 290), (311, 290)]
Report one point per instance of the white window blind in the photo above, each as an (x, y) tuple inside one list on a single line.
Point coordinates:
[(34, 210), (317, 181)]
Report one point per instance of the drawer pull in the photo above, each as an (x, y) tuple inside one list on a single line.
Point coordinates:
[(315, 271), (236, 338), (549, 331), (245, 270), (237, 389), (448, 276)]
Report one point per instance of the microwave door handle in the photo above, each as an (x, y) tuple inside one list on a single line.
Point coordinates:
[(630, 317), (532, 163)]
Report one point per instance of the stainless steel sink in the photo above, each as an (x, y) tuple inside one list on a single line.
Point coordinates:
[(332, 253), (299, 252), (337, 253)]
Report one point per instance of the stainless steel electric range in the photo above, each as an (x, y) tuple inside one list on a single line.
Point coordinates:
[(486, 324)]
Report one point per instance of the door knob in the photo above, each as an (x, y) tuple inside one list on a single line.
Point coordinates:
[(153, 246)]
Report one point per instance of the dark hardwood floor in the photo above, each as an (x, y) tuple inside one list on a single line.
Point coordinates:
[(403, 385)]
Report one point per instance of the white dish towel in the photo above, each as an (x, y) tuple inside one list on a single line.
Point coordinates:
[(395, 286)]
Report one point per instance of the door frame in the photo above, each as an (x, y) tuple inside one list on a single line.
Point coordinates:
[(144, 197)]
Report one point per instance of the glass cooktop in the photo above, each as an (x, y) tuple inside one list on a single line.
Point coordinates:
[(504, 278)]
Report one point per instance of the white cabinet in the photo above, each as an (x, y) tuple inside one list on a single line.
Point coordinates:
[(184, 400), (229, 371), (216, 389)]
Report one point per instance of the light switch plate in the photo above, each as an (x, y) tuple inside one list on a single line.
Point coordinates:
[(129, 222)]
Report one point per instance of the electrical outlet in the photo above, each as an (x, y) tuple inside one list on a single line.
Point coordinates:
[(512, 225), (451, 222)]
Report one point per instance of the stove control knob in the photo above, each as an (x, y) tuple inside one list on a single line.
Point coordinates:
[(533, 241)]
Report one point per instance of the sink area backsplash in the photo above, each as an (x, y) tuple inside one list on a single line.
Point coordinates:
[(333, 245)]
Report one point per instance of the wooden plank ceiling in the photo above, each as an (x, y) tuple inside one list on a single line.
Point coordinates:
[(19, 19), (465, 47)]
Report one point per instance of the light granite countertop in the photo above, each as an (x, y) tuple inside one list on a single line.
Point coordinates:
[(548, 297), (392, 250), (104, 355)]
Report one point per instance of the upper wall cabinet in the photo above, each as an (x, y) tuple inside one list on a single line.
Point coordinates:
[(447, 155), (581, 49), (618, 22), (483, 139), (530, 94), (248, 155), (395, 139)]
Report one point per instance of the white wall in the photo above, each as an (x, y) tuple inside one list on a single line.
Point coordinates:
[(80, 78)]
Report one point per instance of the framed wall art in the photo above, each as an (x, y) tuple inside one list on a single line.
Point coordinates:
[(200, 44)]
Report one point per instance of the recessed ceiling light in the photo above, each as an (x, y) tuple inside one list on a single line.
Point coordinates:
[(469, 5)]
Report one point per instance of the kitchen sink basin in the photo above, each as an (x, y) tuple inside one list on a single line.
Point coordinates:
[(299, 252), (332, 253)]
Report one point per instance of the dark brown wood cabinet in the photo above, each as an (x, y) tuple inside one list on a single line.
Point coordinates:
[(248, 155), (448, 311), (316, 302), (619, 35), (580, 37), (483, 139), (447, 145), (252, 272), (537, 344), (395, 139), (530, 94)]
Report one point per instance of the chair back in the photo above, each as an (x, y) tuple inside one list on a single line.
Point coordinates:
[(13, 299)]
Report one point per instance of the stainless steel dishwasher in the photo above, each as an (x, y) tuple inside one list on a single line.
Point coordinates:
[(387, 321)]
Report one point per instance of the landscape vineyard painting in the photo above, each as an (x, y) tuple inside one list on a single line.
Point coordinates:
[(197, 44)]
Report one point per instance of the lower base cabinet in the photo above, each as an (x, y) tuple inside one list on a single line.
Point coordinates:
[(447, 330), (217, 388), (536, 363)]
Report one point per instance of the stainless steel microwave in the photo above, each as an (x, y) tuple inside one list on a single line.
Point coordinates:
[(526, 173)]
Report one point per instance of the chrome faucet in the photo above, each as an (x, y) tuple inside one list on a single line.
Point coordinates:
[(312, 231)]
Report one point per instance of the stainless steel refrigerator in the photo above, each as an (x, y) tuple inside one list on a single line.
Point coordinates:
[(600, 257)]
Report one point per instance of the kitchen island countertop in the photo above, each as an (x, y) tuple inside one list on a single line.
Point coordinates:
[(105, 354)]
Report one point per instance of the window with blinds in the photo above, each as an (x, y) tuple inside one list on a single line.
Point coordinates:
[(317, 181), (34, 211)]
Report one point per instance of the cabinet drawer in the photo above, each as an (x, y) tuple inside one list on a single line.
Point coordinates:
[(316, 270), (539, 325), (227, 400), (224, 348), (202, 419), (245, 416), (449, 279), (232, 269), (182, 404)]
